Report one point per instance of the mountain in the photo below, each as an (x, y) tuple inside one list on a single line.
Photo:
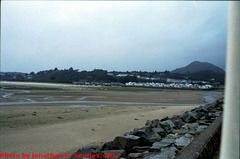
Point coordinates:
[(198, 66)]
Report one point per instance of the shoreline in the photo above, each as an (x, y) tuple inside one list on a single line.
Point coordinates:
[(68, 137), (64, 127)]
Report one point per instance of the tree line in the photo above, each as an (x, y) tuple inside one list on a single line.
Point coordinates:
[(102, 76)]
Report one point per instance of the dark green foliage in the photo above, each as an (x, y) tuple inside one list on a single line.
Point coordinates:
[(175, 75), (70, 75), (207, 75), (102, 76)]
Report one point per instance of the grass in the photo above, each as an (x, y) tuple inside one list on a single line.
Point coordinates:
[(112, 88), (30, 88), (127, 89), (55, 93)]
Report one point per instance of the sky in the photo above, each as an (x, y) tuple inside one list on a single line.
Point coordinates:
[(111, 35)]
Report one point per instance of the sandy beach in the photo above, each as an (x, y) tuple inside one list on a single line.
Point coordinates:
[(68, 137), (40, 120)]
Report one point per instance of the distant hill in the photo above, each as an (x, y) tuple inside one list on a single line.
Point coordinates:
[(197, 66)]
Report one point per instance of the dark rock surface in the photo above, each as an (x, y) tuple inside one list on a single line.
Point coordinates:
[(167, 125), (148, 134), (126, 142), (183, 141), (189, 117)]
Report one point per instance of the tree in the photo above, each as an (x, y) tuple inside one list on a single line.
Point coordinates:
[(32, 73)]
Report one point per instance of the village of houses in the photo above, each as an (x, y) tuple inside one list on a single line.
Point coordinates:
[(170, 83)]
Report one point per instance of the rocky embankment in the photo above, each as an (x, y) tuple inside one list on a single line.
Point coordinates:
[(164, 138)]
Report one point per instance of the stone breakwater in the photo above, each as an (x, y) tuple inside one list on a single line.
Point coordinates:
[(164, 138)]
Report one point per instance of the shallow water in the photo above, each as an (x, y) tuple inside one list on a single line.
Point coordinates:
[(51, 98)]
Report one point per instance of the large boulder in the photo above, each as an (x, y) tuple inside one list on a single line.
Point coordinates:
[(126, 142), (106, 146), (167, 125), (140, 148), (202, 109), (178, 122), (149, 134), (163, 143), (160, 131), (192, 126), (166, 153), (153, 123), (183, 141), (189, 117)]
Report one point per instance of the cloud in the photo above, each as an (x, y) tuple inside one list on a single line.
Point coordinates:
[(111, 35)]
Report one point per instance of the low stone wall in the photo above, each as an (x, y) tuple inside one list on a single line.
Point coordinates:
[(167, 138), (206, 144)]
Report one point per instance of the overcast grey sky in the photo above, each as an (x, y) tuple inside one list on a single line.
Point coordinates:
[(111, 35)]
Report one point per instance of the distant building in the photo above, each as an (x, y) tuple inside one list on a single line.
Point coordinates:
[(172, 80), (110, 74), (29, 76), (122, 75)]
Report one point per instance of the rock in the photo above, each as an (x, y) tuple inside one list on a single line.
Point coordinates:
[(202, 109), (217, 114), (199, 114), (180, 132), (148, 134), (106, 146), (209, 121), (210, 117), (167, 153), (184, 127), (140, 148), (175, 117), (172, 136), (158, 145), (203, 122), (153, 123), (192, 126), (166, 140), (160, 131), (167, 125), (135, 155), (207, 106), (188, 135), (163, 119), (148, 122), (178, 122), (88, 149), (128, 133), (146, 142), (201, 128), (212, 110), (183, 141), (126, 142), (189, 117), (193, 132)]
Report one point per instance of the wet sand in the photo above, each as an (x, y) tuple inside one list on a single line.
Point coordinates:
[(68, 137), (62, 121), (96, 98)]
